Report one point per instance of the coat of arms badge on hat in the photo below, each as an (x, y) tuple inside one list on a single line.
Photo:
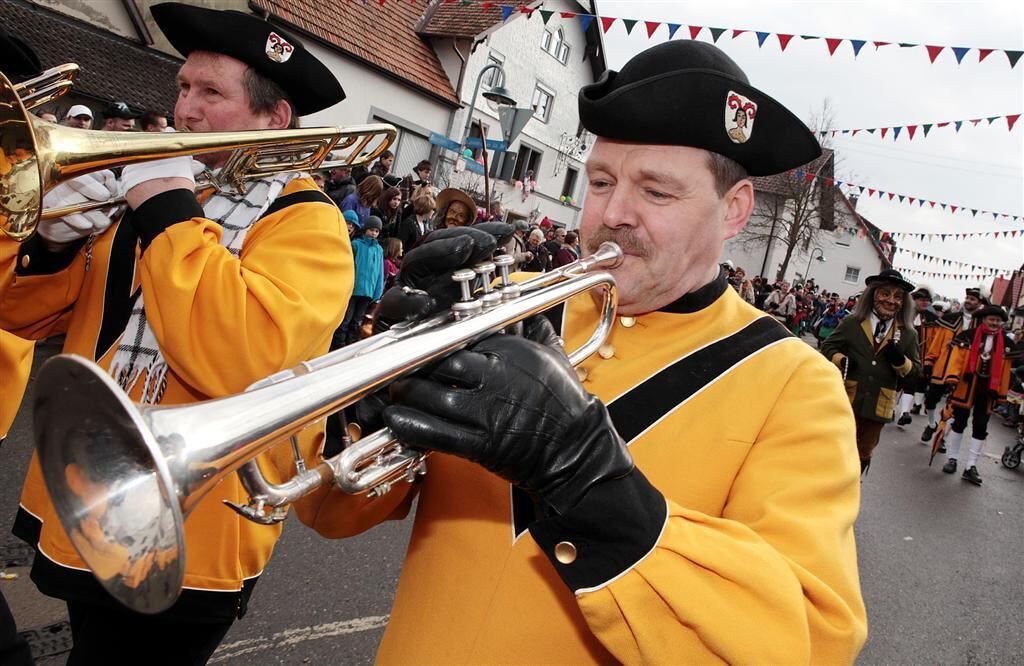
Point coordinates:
[(277, 48), (739, 117)]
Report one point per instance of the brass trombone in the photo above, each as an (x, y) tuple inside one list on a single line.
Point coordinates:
[(123, 478), (36, 155)]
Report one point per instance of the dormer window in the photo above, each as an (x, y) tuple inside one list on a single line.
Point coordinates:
[(554, 44)]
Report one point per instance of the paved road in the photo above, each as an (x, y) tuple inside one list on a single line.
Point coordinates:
[(939, 561)]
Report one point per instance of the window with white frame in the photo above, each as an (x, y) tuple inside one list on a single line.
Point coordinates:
[(491, 78), (852, 274), (543, 100), (555, 45)]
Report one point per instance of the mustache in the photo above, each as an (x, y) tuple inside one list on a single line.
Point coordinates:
[(626, 238)]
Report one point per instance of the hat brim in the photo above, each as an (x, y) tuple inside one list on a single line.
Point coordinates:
[(687, 108), (451, 194), (990, 310), (307, 81), (906, 286)]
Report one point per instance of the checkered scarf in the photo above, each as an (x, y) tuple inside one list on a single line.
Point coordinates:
[(138, 350)]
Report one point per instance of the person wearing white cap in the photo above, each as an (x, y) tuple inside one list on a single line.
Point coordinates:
[(79, 116)]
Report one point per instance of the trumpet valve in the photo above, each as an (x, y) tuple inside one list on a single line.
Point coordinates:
[(466, 305), (490, 297)]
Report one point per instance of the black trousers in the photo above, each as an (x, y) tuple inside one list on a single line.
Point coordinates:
[(933, 396), (14, 651), (105, 635), (979, 413)]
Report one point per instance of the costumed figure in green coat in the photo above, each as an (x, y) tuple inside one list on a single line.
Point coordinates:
[(875, 348)]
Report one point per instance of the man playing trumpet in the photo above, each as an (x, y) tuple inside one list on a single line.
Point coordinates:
[(183, 299), (632, 516)]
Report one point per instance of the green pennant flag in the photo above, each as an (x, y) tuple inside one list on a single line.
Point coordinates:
[(1013, 56), (629, 23), (872, 130), (809, 37), (546, 14), (907, 45), (993, 119), (927, 128), (901, 198), (716, 33)]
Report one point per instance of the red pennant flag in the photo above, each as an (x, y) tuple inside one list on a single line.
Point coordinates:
[(828, 182), (910, 200), (952, 208), (878, 44), (526, 10), (932, 204), (884, 130), (911, 129), (855, 132), (1011, 120), (783, 40), (934, 51), (651, 27), (606, 22), (695, 30), (942, 124), (833, 44), (487, 5), (737, 33), (567, 15), (871, 192), (891, 195), (976, 121), (983, 53), (809, 177)]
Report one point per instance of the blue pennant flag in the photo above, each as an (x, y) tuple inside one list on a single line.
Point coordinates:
[(799, 174), (585, 20), (761, 36), (672, 27), (960, 52), (857, 44), (506, 11), (958, 124), (896, 133)]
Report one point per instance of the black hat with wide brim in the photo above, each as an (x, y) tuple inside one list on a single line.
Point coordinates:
[(690, 93), (17, 59), (266, 48), (893, 276), (990, 310)]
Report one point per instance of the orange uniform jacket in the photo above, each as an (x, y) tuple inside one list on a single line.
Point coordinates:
[(965, 382), (947, 327), (222, 323), (15, 352), (755, 560)]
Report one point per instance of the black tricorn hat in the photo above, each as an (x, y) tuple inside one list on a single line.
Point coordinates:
[(17, 59), (690, 93), (120, 110), (890, 275), (266, 48), (989, 310)]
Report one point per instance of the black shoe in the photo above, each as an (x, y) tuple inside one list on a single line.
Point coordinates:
[(926, 436), (971, 475), (904, 420), (915, 410), (950, 466), (942, 447)]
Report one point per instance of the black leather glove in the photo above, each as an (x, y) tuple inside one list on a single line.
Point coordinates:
[(850, 365), (893, 355), (424, 285), (515, 407)]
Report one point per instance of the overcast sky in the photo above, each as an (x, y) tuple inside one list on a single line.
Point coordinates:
[(981, 167)]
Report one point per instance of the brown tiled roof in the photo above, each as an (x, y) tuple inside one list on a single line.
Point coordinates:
[(455, 20), (111, 67), (782, 183), (382, 36)]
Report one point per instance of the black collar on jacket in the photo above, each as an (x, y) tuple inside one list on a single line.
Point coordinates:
[(695, 301)]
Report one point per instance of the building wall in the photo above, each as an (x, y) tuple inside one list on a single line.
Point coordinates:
[(526, 64), (839, 248), (108, 15)]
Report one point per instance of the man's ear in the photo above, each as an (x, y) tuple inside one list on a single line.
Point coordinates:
[(739, 203), (280, 115)]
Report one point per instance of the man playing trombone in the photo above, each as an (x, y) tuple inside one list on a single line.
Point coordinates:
[(186, 298), (633, 514)]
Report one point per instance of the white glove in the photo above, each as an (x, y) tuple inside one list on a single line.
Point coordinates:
[(96, 186), (173, 167)]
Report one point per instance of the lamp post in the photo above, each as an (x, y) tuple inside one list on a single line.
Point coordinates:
[(501, 97), (821, 258)]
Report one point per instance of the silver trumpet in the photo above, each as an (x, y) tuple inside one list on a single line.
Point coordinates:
[(123, 477)]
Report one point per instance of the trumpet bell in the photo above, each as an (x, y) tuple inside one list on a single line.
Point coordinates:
[(118, 503), (21, 187)]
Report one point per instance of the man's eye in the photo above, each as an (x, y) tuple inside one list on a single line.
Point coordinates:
[(599, 184), (654, 194)]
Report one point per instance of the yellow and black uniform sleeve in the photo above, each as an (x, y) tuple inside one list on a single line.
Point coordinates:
[(780, 562)]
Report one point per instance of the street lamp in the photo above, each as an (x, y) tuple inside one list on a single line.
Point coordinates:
[(497, 94), (821, 258)]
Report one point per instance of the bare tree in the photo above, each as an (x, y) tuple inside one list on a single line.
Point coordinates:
[(793, 208)]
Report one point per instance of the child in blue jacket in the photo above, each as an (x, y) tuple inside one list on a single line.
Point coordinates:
[(369, 283)]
